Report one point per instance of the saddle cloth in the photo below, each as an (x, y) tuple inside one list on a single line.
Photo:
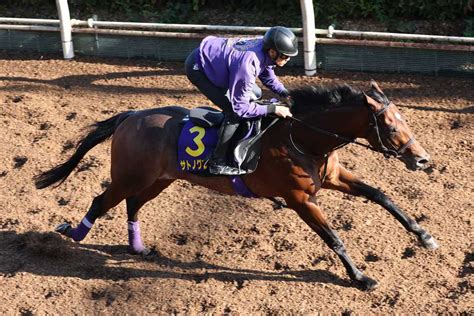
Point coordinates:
[(199, 136)]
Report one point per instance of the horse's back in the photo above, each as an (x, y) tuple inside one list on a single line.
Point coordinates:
[(147, 139), (175, 112), (144, 120)]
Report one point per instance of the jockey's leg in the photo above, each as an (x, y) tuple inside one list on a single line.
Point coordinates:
[(216, 94), (218, 163)]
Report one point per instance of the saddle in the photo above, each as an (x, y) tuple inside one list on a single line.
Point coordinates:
[(199, 136)]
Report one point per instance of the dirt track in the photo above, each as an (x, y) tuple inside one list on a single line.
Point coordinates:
[(222, 254)]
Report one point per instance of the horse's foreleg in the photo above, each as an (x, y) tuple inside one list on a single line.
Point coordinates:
[(346, 182), (134, 203), (314, 217)]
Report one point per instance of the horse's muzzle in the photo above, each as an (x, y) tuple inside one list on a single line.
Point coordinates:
[(415, 163), (422, 162)]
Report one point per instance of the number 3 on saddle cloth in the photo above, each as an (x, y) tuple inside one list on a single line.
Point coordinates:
[(199, 136)]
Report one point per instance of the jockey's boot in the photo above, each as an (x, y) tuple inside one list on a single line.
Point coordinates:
[(218, 164)]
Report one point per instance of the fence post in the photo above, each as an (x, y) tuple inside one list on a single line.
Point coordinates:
[(66, 28), (309, 37)]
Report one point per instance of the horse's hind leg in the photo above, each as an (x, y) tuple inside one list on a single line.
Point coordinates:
[(314, 217), (344, 181), (134, 203), (100, 205)]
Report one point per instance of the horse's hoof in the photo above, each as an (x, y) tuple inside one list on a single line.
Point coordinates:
[(367, 284), (429, 243), (63, 229), (145, 252), (278, 206)]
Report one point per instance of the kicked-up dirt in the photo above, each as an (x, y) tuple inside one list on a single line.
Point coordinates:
[(215, 253)]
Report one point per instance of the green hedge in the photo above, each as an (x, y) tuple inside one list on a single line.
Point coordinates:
[(182, 10)]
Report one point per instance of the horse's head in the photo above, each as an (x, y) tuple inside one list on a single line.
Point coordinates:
[(390, 133), (340, 109)]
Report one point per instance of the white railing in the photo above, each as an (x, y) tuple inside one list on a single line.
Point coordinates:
[(310, 34), (66, 28), (86, 26)]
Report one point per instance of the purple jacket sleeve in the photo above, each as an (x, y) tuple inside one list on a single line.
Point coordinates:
[(241, 81), (270, 80)]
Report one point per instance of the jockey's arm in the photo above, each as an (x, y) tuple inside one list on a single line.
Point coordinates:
[(271, 81), (241, 82)]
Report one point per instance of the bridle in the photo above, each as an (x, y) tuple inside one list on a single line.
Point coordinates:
[(387, 152)]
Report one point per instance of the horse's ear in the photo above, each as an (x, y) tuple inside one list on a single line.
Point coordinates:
[(374, 85), (374, 105)]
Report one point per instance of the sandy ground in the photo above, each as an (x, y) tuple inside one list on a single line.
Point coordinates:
[(221, 254)]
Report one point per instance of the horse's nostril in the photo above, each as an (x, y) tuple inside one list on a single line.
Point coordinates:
[(422, 161)]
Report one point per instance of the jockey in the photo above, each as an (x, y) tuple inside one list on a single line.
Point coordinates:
[(225, 71)]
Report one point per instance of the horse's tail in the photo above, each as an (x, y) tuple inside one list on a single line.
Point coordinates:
[(100, 132)]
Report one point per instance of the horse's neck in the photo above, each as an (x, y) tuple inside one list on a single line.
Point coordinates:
[(348, 122)]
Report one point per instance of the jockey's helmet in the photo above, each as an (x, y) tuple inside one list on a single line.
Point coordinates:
[(281, 39)]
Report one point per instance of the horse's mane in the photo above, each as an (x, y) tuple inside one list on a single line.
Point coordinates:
[(321, 97)]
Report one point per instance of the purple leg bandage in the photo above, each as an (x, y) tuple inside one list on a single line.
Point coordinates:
[(80, 232), (134, 237)]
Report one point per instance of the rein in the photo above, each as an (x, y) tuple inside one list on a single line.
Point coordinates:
[(345, 140), (383, 149)]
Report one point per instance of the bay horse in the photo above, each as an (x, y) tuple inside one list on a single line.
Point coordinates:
[(298, 158)]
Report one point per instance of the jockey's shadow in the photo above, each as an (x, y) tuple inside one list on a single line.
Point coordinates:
[(50, 255)]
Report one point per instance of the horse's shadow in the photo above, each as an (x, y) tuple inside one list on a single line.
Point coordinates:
[(99, 82), (50, 255)]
